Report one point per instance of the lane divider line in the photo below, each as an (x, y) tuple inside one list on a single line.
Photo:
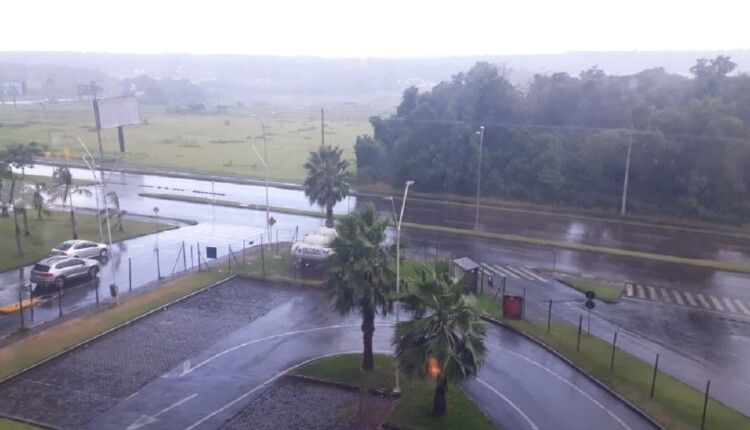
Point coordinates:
[(526, 418)]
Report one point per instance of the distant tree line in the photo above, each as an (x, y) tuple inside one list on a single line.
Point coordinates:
[(564, 139)]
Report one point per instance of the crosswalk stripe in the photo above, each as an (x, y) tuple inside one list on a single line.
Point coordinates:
[(716, 302), (514, 270), (742, 307), (532, 274), (730, 305), (629, 290), (678, 297), (652, 290), (641, 293), (665, 293), (505, 272), (690, 299), (703, 300), (488, 268)]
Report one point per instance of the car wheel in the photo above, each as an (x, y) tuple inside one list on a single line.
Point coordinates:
[(103, 253), (93, 272), (60, 282)]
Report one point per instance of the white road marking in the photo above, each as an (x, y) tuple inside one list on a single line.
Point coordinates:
[(690, 299), (730, 305), (489, 268), (665, 293), (532, 274), (678, 297), (517, 272), (504, 272), (277, 376), (189, 369), (641, 293), (652, 290), (716, 303), (526, 418), (572, 385), (145, 420), (703, 300), (742, 307), (629, 290)]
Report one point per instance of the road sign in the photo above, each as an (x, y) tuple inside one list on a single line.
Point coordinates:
[(590, 304), (271, 221), (210, 252), (590, 295), (513, 307)]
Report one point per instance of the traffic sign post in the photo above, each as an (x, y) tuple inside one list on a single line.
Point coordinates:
[(590, 296)]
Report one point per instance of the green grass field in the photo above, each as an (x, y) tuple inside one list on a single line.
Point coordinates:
[(55, 229), (414, 409), (218, 144), (606, 293)]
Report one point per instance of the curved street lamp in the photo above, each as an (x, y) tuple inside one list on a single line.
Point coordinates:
[(264, 161)]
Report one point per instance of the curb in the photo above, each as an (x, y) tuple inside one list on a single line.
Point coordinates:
[(113, 329), (557, 354)]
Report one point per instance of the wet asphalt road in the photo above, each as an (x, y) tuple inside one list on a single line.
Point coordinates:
[(560, 228), (522, 386)]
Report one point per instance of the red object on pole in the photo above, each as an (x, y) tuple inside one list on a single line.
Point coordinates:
[(512, 307)]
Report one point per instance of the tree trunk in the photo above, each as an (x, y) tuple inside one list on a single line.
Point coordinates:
[(72, 217), (18, 236), (329, 216), (39, 212), (368, 330), (10, 196), (4, 211), (26, 231), (439, 404)]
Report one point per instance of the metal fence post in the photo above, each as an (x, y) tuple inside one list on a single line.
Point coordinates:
[(243, 254), (158, 264), (130, 274), (192, 262), (705, 405), (653, 379), (578, 343), (549, 315), (59, 300), (229, 258), (184, 257), (96, 290), (20, 304), (612, 360), (523, 309), (199, 256), (481, 285), (31, 293), (262, 256)]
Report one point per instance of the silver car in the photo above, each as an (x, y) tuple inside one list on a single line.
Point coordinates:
[(59, 270), (79, 248)]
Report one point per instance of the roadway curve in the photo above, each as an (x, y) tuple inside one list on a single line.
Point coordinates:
[(521, 386)]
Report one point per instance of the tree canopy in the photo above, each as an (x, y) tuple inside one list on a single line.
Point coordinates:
[(563, 139)]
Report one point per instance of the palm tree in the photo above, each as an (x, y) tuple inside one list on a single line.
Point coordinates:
[(116, 214), (38, 202), (360, 277), (445, 338), (327, 179), (63, 192)]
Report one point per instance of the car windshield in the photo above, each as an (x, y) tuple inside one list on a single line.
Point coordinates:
[(63, 246), (41, 268)]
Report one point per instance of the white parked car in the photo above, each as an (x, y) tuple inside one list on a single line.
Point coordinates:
[(80, 249)]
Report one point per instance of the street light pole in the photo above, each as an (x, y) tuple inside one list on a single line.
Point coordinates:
[(479, 173), (46, 121), (627, 174), (264, 160), (398, 220)]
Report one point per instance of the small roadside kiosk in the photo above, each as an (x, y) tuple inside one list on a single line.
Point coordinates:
[(465, 267)]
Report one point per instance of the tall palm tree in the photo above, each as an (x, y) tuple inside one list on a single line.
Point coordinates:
[(63, 192), (116, 214), (360, 276), (327, 180), (38, 202), (445, 338)]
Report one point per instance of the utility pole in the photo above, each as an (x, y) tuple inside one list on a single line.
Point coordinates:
[(479, 173), (627, 173), (322, 128)]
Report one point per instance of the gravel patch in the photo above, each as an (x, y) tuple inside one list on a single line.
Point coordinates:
[(73, 389)]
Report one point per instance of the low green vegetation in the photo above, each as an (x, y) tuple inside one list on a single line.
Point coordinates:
[(675, 405), (413, 409), (605, 293), (489, 306), (231, 204), (54, 229), (6, 424)]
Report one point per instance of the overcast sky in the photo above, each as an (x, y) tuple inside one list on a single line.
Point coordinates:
[(375, 28)]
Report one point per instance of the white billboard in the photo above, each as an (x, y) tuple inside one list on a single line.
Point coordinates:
[(117, 111), (13, 88)]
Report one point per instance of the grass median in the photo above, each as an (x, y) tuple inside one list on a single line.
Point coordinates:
[(675, 405), (605, 293), (414, 409), (51, 230)]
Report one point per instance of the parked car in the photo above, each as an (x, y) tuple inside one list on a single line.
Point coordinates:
[(79, 248), (59, 270)]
